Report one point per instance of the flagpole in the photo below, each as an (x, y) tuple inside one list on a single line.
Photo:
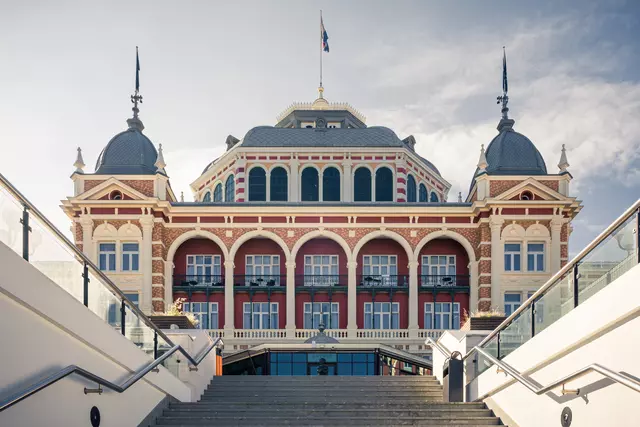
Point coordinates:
[(320, 51)]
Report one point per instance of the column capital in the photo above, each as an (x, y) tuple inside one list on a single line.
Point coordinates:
[(352, 264), (86, 221), (413, 264), (347, 162), (495, 222), (146, 221), (229, 264), (290, 264), (556, 223)]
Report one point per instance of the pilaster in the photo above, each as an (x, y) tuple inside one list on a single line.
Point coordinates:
[(291, 298), (352, 301), (294, 178), (241, 180), (413, 299), (497, 261), (347, 178), (146, 222), (228, 298), (87, 237), (556, 227)]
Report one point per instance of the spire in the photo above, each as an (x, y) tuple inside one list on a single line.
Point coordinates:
[(182, 196), (459, 196), (160, 163), (564, 164), (79, 164), (482, 161), (505, 122), (136, 98)]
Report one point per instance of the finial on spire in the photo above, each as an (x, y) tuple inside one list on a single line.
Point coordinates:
[(482, 161), (79, 164), (182, 196), (136, 98), (459, 196), (320, 92), (504, 99), (160, 163), (563, 164)]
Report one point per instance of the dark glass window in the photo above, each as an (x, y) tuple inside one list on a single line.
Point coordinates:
[(217, 193), (434, 197), (230, 189), (362, 185), (310, 191), (424, 194), (279, 185), (411, 189), (384, 185), (257, 185), (207, 197), (331, 185)]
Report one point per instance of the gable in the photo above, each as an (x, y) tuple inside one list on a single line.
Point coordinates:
[(106, 190)]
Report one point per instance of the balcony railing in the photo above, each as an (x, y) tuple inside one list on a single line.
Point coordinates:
[(382, 333), (260, 280), (383, 281), (309, 333), (443, 281), (322, 280), (198, 280)]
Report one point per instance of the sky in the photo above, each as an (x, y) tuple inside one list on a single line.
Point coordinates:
[(426, 68)]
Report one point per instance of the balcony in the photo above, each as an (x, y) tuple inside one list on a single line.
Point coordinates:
[(266, 282), (321, 280), (443, 281), (202, 280), (383, 281)]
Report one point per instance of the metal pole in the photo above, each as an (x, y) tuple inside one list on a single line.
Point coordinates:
[(85, 277), (321, 35), (638, 234), (533, 318), (575, 285), (498, 345), (122, 315), (155, 345), (25, 233)]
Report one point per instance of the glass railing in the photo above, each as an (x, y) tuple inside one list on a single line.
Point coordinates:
[(614, 252), (26, 231)]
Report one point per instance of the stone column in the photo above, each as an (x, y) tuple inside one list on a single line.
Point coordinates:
[(351, 297), (347, 181), (87, 237), (294, 180), (228, 298), (168, 283), (400, 184), (554, 261), (497, 261), (474, 285), (413, 299), (291, 299), (146, 253), (242, 194), (268, 185)]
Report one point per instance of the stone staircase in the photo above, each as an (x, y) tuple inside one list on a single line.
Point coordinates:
[(325, 401)]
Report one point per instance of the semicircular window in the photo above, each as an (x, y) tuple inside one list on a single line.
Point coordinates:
[(230, 189), (423, 194), (207, 197), (384, 185), (434, 197), (257, 185), (217, 193), (331, 185), (411, 189), (362, 185), (310, 191), (279, 185)]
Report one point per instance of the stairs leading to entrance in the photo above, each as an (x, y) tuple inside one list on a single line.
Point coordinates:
[(326, 401)]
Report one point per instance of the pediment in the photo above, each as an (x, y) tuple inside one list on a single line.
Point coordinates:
[(539, 190), (103, 190)]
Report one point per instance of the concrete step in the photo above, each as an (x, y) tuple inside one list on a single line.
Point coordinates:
[(245, 405), (327, 421), (330, 412), (337, 379)]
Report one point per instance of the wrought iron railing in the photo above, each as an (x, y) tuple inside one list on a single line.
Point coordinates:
[(443, 281), (383, 281), (321, 280), (260, 280), (198, 280)]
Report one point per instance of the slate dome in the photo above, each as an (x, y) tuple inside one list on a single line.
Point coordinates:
[(128, 153)]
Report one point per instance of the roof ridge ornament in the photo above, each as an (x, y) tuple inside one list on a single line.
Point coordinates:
[(482, 161), (136, 98), (160, 163), (79, 163), (505, 122), (563, 164)]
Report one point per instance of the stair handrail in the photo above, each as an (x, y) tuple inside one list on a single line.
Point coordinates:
[(46, 382)]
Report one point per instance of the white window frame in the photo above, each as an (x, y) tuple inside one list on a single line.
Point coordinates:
[(113, 255), (442, 315), (377, 315), (438, 274), (538, 257), (513, 305), (330, 319), (260, 317), (261, 278), (512, 256), (212, 309), (387, 271), (129, 255), (319, 273), (200, 272)]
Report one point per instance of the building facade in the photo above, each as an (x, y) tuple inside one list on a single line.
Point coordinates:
[(322, 219)]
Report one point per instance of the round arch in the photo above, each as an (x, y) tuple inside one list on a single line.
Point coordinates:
[(259, 233), (321, 233), (382, 234), (449, 234), (194, 234)]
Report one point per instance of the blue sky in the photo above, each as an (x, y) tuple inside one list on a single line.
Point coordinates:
[(431, 69)]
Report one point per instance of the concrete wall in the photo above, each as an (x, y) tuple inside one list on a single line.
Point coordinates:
[(605, 329), (46, 329)]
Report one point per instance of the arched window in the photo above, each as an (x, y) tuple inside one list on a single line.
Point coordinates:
[(434, 197), (310, 191), (217, 193), (279, 185), (411, 189), (331, 185), (362, 185), (230, 189), (207, 197), (423, 195), (257, 185), (384, 185)]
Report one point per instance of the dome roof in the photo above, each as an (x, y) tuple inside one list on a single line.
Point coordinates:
[(128, 153)]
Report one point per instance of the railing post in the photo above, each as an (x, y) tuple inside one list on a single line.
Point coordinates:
[(123, 313), (85, 279), (575, 285), (498, 345), (533, 318), (155, 345), (25, 233)]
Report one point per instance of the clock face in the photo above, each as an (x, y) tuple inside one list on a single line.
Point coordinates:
[(321, 123)]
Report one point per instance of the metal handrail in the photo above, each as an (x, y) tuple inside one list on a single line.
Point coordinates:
[(442, 349), (107, 282), (570, 265), (46, 382), (619, 377)]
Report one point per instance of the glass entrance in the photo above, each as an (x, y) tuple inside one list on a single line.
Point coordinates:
[(312, 368)]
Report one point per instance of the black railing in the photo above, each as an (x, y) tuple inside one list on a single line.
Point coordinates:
[(383, 281), (198, 280), (443, 281), (321, 280), (258, 280)]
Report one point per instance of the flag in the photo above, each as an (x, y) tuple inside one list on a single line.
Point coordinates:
[(137, 71), (324, 36), (505, 85)]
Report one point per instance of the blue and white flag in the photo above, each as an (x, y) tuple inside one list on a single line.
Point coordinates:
[(324, 36)]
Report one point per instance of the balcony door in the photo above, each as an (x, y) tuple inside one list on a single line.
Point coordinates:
[(438, 270), (262, 270), (204, 269), (321, 270), (380, 270)]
